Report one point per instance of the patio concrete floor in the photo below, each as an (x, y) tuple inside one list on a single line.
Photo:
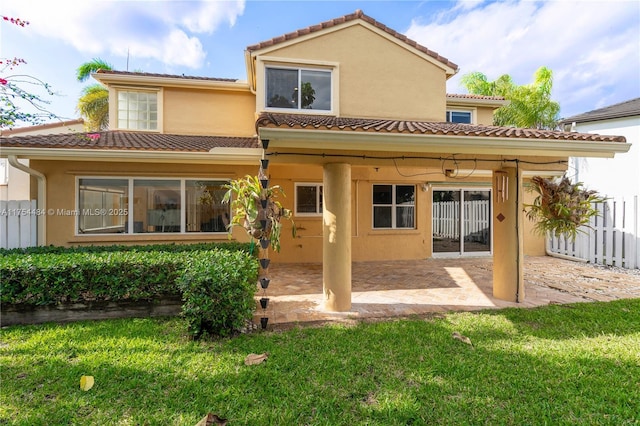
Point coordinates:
[(403, 288)]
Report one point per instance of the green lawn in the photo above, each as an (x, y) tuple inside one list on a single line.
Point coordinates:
[(574, 364)]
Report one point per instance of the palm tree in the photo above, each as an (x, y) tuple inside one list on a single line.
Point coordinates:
[(530, 105), (85, 70), (93, 104)]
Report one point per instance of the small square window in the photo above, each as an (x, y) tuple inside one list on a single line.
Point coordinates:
[(137, 110), (308, 199), (394, 206)]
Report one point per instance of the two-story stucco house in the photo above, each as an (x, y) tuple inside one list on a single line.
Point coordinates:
[(377, 160)]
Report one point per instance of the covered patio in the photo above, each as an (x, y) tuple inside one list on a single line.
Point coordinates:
[(388, 289)]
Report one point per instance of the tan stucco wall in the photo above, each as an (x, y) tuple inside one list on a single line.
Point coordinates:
[(367, 243), (209, 112), (484, 116), (376, 77), (534, 244)]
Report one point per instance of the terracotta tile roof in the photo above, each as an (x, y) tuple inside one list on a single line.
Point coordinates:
[(119, 140), (628, 108), (358, 14), (472, 96), (149, 74), (373, 125)]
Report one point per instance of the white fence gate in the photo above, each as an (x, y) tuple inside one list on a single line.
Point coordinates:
[(612, 238), (18, 224)]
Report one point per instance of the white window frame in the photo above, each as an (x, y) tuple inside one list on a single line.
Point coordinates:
[(319, 195), (115, 117), (130, 225), (462, 110), (394, 207), (462, 190), (265, 62)]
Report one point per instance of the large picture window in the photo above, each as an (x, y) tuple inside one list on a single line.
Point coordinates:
[(301, 89), (146, 205), (308, 199), (137, 110), (102, 206), (394, 206)]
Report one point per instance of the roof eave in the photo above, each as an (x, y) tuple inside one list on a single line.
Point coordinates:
[(145, 80), (219, 155), (494, 103), (444, 144)]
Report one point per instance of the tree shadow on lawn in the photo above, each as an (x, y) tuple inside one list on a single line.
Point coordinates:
[(579, 320), (389, 372)]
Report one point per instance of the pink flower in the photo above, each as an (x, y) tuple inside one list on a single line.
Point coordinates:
[(93, 136), (3, 81)]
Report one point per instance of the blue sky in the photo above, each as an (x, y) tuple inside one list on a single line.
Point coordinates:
[(593, 47)]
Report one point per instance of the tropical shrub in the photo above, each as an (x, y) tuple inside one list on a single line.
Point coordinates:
[(218, 292), (256, 209), (561, 207)]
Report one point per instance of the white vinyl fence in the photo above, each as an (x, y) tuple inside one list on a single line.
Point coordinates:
[(612, 238), (18, 224), (446, 218)]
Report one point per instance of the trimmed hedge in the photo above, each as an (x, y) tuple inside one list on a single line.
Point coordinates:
[(218, 293), (173, 248), (51, 275), (217, 281)]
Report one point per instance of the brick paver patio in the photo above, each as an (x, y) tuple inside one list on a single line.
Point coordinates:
[(419, 287)]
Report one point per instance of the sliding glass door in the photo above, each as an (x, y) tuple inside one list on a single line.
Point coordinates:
[(461, 221)]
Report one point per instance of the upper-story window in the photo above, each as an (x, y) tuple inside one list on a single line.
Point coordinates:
[(296, 88), (463, 117), (137, 110)]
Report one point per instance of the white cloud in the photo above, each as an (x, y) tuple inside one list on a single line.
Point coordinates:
[(593, 47), (166, 31), (179, 49)]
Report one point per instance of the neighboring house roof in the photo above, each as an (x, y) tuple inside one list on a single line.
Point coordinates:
[(40, 127), (323, 122), (139, 141), (628, 108), (358, 14)]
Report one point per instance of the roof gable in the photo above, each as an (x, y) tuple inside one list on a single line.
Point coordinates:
[(356, 18)]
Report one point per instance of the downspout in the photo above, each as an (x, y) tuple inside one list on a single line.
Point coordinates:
[(41, 201), (249, 63), (518, 220)]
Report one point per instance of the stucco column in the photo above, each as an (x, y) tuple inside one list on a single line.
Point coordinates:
[(336, 232), (508, 242)]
